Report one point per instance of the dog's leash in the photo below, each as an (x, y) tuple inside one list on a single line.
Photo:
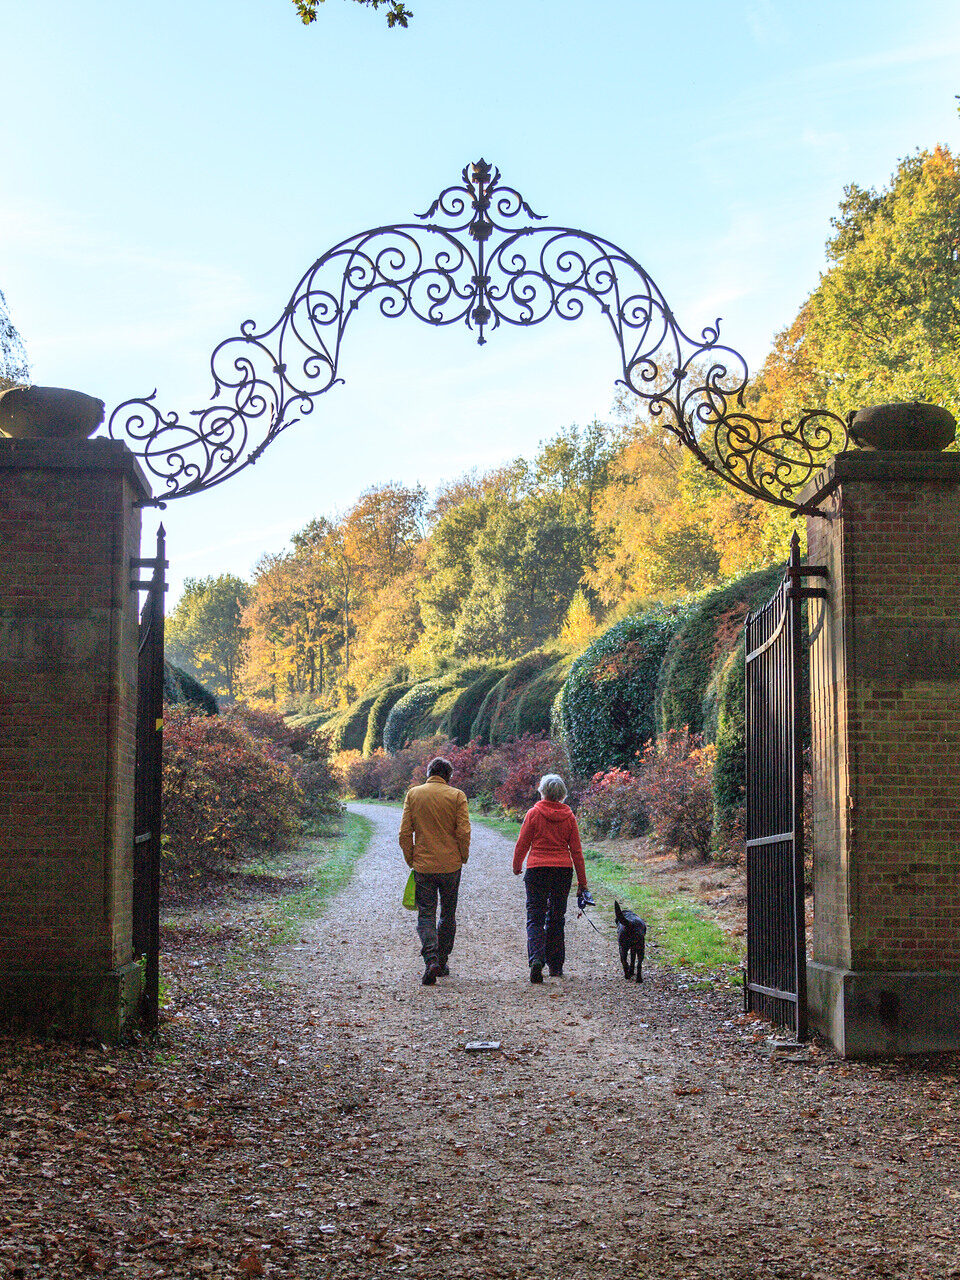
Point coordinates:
[(583, 915), (584, 900)]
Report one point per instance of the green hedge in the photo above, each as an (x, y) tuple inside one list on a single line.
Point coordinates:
[(468, 702), (728, 770), (180, 689), (527, 709), (499, 716), (354, 728), (380, 709), (407, 717), (687, 692), (607, 708)]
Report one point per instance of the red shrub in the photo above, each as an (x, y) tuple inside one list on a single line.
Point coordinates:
[(612, 805), (519, 765), (362, 776), (222, 793), (467, 762), (675, 776), (304, 751)]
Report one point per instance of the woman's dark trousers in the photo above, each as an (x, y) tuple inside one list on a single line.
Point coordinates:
[(547, 891), (436, 940)]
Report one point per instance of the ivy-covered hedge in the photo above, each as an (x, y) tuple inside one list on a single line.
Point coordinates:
[(180, 689), (728, 769), (499, 717), (687, 692), (607, 709), (380, 709), (405, 722), (350, 729), (468, 702)]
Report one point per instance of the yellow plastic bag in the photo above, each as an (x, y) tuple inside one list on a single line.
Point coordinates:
[(410, 893)]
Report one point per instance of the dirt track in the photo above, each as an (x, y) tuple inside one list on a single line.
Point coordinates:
[(311, 1113), (620, 1129)]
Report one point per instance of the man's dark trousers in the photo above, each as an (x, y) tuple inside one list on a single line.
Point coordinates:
[(436, 940)]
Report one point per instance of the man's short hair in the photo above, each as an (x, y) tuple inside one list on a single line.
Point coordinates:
[(440, 768), (552, 787)]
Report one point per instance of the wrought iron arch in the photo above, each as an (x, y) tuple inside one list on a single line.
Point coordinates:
[(472, 259)]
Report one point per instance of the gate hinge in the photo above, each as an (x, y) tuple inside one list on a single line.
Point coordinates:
[(138, 562)]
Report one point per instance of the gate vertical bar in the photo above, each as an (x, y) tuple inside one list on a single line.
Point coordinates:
[(795, 595), (148, 805)]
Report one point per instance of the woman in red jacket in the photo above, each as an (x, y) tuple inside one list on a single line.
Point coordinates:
[(551, 838)]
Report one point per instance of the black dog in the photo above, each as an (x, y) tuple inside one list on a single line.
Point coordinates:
[(632, 936)]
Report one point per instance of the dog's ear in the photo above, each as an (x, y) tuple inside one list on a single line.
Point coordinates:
[(618, 914)]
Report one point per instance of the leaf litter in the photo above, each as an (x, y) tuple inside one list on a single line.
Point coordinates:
[(309, 1112)]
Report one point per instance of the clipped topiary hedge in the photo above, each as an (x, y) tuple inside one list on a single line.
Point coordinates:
[(534, 709), (381, 707), (498, 720), (686, 691), (354, 728), (180, 689), (728, 770), (468, 702), (405, 722), (607, 708)]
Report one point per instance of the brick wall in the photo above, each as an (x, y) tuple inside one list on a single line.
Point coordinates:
[(68, 642), (886, 715)]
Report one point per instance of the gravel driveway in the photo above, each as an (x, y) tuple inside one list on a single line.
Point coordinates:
[(619, 1129)]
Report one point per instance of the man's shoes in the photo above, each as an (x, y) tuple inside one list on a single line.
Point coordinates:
[(536, 971), (555, 973), (431, 974), (444, 970)]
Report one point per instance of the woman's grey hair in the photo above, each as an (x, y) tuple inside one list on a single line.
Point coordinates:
[(552, 787)]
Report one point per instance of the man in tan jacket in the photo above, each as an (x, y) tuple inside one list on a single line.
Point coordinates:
[(435, 839)]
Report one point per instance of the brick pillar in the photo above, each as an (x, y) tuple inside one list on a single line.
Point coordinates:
[(68, 674), (885, 688)]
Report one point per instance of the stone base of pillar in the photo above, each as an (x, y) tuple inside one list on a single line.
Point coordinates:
[(84, 1006), (868, 1014)]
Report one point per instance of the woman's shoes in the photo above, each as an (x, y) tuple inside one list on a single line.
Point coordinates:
[(536, 971)]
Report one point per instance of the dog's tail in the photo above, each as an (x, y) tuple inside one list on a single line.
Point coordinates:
[(618, 913)]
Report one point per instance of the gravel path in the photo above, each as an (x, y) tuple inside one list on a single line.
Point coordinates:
[(620, 1129), (309, 1112)]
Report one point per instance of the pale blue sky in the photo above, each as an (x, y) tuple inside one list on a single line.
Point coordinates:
[(168, 171)]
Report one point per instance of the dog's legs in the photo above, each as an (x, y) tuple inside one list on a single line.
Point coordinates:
[(627, 961)]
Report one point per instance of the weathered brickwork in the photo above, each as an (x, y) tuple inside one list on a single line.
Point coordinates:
[(886, 716), (68, 643)]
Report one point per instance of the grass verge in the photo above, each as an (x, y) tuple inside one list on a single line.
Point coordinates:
[(266, 901), (324, 864), (686, 936)]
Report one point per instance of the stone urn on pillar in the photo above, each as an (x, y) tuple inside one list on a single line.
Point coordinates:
[(52, 413)]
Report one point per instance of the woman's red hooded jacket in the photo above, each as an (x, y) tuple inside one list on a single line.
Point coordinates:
[(551, 837)]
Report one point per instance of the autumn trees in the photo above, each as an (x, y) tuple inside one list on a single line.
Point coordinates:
[(499, 564), (883, 324)]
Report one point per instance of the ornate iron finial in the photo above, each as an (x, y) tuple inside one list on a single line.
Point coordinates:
[(478, 256)]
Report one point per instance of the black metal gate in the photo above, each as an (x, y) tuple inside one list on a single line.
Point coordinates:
[(775, 983), (147, 786)]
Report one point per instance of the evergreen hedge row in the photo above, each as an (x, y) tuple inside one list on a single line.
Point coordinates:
[(380, 709), (687, 692), (606, 712), (407, 719), (180, 689), (500, 716)]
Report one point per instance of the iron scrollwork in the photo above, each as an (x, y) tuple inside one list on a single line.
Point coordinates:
[(479, 256)]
